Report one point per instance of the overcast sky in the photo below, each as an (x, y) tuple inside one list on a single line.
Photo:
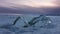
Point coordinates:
[(30, 6)]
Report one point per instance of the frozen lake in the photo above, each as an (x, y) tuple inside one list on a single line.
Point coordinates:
[(6, 20)]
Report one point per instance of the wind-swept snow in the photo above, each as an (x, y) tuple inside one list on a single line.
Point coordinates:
[(6, 26)]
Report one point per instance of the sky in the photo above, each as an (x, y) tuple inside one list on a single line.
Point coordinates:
[(30, 6)]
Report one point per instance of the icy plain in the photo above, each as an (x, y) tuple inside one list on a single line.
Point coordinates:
[(7, 28)]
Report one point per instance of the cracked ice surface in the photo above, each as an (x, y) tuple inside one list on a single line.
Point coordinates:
[(53, 28)]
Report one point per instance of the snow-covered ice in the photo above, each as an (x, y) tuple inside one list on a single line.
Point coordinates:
[(7, 28)]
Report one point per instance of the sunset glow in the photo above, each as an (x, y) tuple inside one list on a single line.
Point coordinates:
[(39, 3), (32, 3)]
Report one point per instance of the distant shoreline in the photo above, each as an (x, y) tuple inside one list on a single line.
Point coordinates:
[(29, 14)]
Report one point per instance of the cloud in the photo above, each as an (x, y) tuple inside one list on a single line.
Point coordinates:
[(31, 10), (17, 6), (57, 2), (32, 3)]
